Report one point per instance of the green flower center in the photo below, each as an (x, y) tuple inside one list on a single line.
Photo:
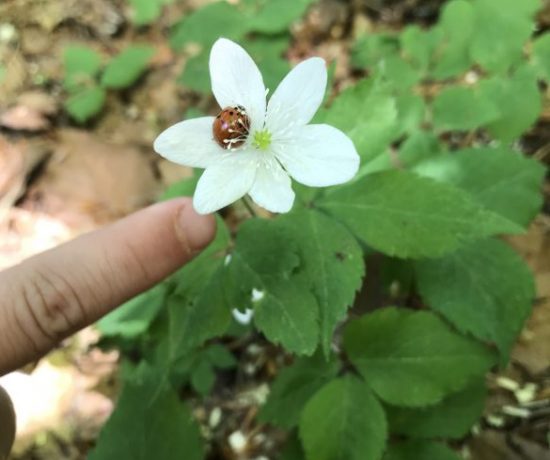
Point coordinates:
[(262, 139)]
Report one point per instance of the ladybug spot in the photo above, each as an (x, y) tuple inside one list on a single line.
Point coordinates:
[(231, 113)]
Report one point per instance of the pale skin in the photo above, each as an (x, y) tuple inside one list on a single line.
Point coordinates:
[(50, 296)]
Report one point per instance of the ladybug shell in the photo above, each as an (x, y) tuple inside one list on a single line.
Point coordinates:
[(230, 128)]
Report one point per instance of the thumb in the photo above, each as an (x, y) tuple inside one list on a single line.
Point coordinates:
[(50, 296)]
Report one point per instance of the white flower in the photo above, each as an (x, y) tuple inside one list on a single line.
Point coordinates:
[(275, 139)]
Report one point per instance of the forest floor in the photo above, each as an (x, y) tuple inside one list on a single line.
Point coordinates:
[(59, 179)]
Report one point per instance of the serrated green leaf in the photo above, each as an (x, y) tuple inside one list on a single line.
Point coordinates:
[(419, 147), (541, 56), (484, 289), (501, 29), (135, 316), (149, 421), (288, 314), (203, 377), (343, 420), (451, 418), (205, 25), (501, 179), (332, 260), (126, 68), (81, 66), (404, 215), (284, 308), (420, 450), (85, 104), (518, 100), (419, 45), (269, 17), (412, 358), (462, 108), (293, 387)]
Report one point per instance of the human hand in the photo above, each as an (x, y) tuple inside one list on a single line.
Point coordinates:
[(52, 295)]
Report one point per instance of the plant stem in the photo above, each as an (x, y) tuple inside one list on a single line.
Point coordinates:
[(248, 206)]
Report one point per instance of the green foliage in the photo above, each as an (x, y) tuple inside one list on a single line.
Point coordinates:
[(124, 70), (460, 108), (452, 418), (150, 421), (293, 388), (261, 26), (134, 317), (343, 420), (87, 94), (146, 11), (501, 179), (490, 304), (332, 261), (420, 450), (413, 358), (436, 124), (86, 103), (405, 215)]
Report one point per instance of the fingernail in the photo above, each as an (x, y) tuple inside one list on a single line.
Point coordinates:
[(195, 230)]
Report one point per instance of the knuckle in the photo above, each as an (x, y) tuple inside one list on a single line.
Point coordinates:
[(51, 307)]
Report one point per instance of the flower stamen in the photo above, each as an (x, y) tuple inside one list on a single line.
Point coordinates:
[(262, 139)]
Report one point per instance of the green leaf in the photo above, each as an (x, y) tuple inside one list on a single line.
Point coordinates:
[(519, 101), (484, 289), (85, 104), (205, 25), (413, 358), (420, 450), (293, 387), (292, 449), (462, 109), (501, 29), (367, 113), (332, 260), (343, 420), (287, 314), (203, 377), (404, 215), (198, 307), (149, 421), (269, 17), (126, 68), (260, 276), (370, 49), (81, 66), (501, 179), (419, 45), (220, 356), (135, 316), (145, 11), (457, 25), (541, 56), (195, 74), (451, 418), (419, 147)]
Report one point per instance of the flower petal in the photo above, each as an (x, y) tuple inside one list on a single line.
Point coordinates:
[(318, 155), (297, 97), (272, 188), (189, 143), (225, 181), (236, 80)]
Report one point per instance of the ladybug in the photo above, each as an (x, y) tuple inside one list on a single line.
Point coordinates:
[(230, 127)]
